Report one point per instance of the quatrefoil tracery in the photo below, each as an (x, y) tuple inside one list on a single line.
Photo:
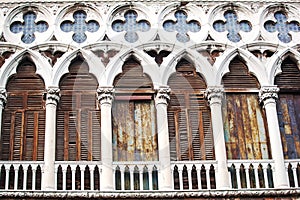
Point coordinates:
[(282, 26), (80, 26), (182, 26), (28, 27), (131, 26), (232, 25)]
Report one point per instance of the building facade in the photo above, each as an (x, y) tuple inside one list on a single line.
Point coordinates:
[(149, 99)]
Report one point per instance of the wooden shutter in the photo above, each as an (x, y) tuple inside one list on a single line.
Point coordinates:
[(134, 131), (23, 124), (134, 118), (246, 134), (189, 119), (288, 111), (78, 115), (245, 130)]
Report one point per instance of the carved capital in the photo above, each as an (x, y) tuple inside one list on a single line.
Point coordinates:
[(3, 97), (214, 94), (105, 95), (267, 93), (52, 95), (162, 95)]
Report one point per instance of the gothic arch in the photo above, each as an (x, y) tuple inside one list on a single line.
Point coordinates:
[(274, 66), (201, 64), (148, 64), (254, 65), (61, 67), (9, 68)]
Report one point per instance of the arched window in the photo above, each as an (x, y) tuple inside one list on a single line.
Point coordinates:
[(78, 115), (288, 109), (134, 116), (23, 123), (246, 133), (189, 117)]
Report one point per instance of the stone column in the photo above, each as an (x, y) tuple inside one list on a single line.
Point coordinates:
[(3, 100), (214, 96), (48, 178), (105, 98), (268, 96), (161, 103)]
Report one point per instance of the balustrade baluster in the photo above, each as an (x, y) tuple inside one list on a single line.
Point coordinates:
[(92, 177), (16, 177), (207, 176), (247, 167), (238, 177), (265, 169), (33, 176), (25, 176), (73, 169), (180, 178), (255, 167), (82, 168)]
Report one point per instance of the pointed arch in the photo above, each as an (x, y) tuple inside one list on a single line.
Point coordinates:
[(133, 115), (23, 124), (78, 114), (254, 66), (200, 63), (274, 66), (189, 117), (43, 68), (245, 128), (148, 65), (60, 68)]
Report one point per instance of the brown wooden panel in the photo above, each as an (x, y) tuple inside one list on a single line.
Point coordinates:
[(246, 135), (134, 131)]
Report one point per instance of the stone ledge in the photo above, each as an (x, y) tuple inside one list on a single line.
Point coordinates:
[(216, 194)]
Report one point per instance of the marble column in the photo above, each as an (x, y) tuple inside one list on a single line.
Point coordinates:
[(161, 103), (48, 178), (105, 98), (214, 96), (3, 100), (268, 96)]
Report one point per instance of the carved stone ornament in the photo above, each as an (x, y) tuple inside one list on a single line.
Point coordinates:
[(3, 97), (214, 94), (105, 95), (162, 96), (52, 96), (268, 92)]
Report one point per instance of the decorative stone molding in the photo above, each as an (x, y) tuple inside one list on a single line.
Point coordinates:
[(162, 96), (214, 94), (52, 96), (268, 92), (105, 95), (3, 97)]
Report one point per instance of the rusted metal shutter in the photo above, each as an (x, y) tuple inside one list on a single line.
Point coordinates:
[(78, 116), (134, 116), (245, 129), (23, 124), (189, 118), (288, 110)]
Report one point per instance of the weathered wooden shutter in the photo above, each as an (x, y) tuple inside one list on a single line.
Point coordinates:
[(245, 129), (78, 115), (288, 109), (134, 118), (23, 124), (189, 118)]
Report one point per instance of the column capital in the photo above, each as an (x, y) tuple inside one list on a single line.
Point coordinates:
[(105, 95), (3, 97), (52, 95), (162, 95), (268, 93), (214, 94)]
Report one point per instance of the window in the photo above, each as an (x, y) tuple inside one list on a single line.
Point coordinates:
[(23, 124), (189, 118), (78, 115), (288, 110), (134, 116), (246, 133)]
